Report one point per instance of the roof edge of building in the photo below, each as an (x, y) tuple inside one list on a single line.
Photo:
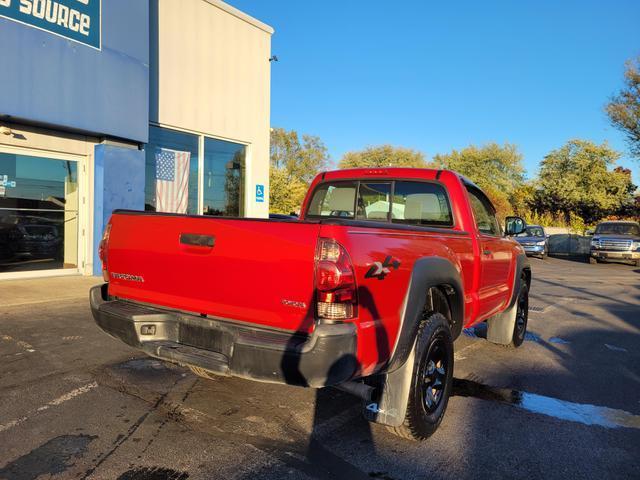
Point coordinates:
[(241, 15)]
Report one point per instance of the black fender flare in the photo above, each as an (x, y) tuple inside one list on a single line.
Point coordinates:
[(388, 406), (427, 273)]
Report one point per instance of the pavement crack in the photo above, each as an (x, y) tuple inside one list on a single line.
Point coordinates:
[(132, 429)]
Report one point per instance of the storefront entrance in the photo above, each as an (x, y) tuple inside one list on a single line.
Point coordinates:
[(40, 218)]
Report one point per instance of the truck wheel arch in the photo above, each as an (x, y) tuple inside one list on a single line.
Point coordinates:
[(435, 286)]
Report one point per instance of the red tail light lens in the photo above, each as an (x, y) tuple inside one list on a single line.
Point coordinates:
[(335, 282), (102, 251)]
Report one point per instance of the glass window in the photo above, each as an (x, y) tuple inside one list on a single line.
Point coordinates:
[(483, 213), (421, 203), (374, 201), (618, 229), (333, 200), (38, 213), (532, 232), (223, 189), (169, 184)]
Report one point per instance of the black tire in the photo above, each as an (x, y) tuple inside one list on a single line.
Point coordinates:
[(522, 315), (431, 381)]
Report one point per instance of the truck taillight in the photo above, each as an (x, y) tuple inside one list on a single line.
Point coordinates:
[(335, 282), (102, 251)]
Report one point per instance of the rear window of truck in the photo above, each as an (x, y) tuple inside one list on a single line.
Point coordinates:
[(405, 202)]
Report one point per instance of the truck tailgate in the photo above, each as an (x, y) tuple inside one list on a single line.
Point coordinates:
[(256, 271)]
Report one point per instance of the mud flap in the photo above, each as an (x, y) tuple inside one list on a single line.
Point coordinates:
[(501, 326), (388, 405)]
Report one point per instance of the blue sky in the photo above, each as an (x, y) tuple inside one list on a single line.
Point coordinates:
[(435, 76)]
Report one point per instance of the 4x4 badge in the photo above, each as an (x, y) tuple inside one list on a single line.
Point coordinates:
[(380, 270)]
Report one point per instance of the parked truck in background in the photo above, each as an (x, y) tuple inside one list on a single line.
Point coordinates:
[(366, 291), (617, 241)]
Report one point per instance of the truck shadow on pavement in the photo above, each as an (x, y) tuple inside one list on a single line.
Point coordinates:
[(323, 463)]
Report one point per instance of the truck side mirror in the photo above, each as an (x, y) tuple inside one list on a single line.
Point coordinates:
[(514, 225), (590, 232)]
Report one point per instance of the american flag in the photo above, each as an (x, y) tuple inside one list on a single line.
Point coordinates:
[(172, 180)]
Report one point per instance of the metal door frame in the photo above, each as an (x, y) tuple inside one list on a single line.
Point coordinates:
[(83, 215)]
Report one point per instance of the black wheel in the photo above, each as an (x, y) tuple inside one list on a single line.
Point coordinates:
[(432, 379), (522, 314)]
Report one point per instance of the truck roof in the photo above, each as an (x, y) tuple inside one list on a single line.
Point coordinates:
[(381, 172), (393, 172)]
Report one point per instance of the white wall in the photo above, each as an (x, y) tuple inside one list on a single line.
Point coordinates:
[(210, 74)]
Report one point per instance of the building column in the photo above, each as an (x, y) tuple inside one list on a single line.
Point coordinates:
[(118, 183)]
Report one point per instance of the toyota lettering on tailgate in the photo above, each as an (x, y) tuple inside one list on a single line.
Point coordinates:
[(127, 276)]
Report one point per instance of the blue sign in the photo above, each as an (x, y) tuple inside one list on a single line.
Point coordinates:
[(260, 193), (77, 20)]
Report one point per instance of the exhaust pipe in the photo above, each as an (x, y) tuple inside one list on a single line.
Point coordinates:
[(359, 389)]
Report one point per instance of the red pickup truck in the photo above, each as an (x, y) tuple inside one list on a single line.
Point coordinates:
[(366, 291)]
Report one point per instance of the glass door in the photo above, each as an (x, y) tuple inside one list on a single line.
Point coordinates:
[(39, 213), (223, 182)]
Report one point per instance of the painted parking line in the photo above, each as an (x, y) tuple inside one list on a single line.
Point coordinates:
[(552, 407), (22, 344), (53, 403), (463, 352)]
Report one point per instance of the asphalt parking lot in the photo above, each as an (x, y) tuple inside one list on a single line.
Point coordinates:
[(76, 404)]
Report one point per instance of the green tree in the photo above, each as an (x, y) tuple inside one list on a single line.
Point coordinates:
[(293, 164), (286, 193), (522, 199), (300, 159), (383, 156), (497, 169), (492, 166), (578, 178), (624, 108)]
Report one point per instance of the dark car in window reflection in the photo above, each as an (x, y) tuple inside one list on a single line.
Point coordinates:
[(28, 238)]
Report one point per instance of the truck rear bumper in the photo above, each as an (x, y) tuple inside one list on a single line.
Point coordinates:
[(326, 357)]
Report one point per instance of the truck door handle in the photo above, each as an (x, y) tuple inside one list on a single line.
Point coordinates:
[(197, 240), (487, 252)]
